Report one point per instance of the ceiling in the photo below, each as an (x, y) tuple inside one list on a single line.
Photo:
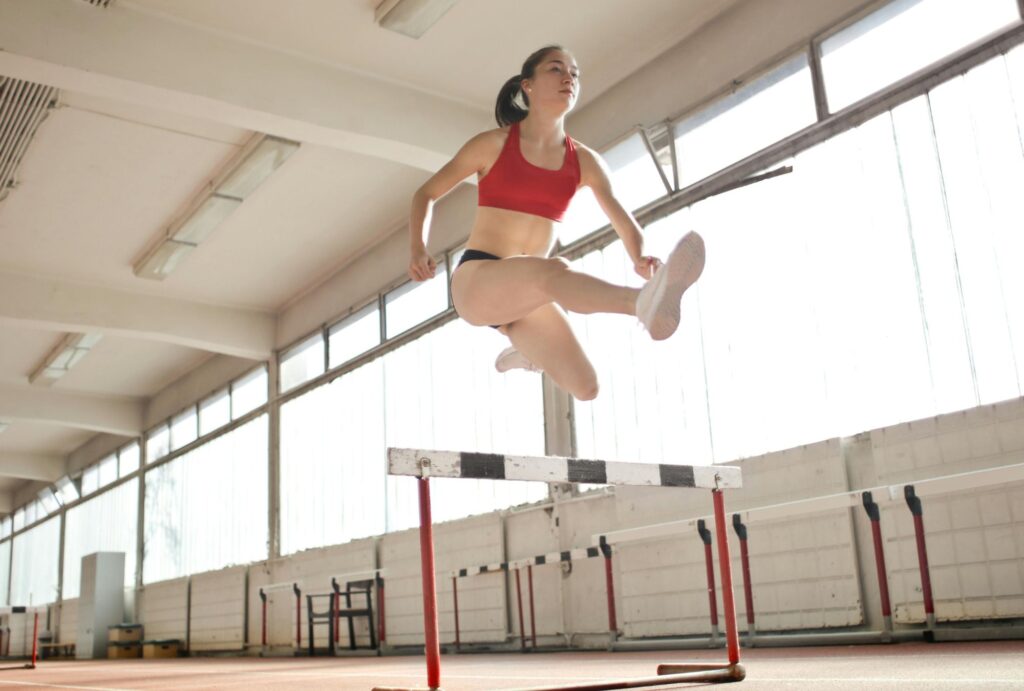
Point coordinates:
[(157, 95)]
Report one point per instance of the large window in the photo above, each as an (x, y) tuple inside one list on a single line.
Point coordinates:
[(35, 558), (413, 303), (440, 391), (901, 38), (5, 571), (756, 115), (208, 508), (635, 179), (877, 283), (106, 523)]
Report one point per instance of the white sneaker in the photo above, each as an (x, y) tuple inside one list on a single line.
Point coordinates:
[(510, 358), (657, 306)]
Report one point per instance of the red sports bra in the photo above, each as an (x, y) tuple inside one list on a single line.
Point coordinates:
[(515, 184)]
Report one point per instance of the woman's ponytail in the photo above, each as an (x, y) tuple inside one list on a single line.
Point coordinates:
[(506, 109)]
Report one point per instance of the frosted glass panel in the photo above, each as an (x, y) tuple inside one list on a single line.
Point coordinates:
[(821, 315), (413, 303), (354, 335), (756, 115), (104, 524), (128, 460), (214, 412), (462, 403), (208, 508), (158, 445), (901, 38), (303, 362), (5, 571), (249, 393), (334, 438), (34, 569)]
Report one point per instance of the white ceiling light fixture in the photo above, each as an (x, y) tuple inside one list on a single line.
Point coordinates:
[(68, 353), (411, 17), (256, 162)]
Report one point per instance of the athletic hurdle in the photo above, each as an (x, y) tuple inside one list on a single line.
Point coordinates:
[(424, 464), (564, 557), (294, 587), (8, 612)]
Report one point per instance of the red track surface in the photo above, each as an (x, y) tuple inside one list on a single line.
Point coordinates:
[(906, 666)]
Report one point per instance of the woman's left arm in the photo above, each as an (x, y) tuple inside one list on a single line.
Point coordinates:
[(595, 175)]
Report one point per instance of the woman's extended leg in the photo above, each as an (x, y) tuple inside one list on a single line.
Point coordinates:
[(506, 290), (545, 337)]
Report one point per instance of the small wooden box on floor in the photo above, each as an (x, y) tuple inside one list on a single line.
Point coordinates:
[(123, 651), (157, 649), (124, 633)]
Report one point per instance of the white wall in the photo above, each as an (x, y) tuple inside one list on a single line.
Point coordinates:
[(808, 572)]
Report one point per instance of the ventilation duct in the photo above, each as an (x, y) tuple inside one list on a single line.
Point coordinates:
[(23, 105)]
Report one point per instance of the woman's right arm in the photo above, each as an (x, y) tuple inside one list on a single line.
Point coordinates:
[(476, 155)]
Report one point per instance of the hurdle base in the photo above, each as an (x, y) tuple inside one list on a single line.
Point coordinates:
[(736, 672), (713, 673)]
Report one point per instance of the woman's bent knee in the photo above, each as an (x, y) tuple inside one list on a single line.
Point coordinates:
[(557, 267)]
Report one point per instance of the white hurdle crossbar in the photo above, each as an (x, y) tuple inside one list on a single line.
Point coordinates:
[(424, 464)]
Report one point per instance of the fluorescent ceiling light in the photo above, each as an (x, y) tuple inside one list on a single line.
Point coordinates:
[(210, 214), (67, 492), (411, 17), (256, 162), (266, 157), (163, 259), (68, 353)]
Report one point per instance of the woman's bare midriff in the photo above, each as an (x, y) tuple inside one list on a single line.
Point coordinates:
[(510, 233), (502, 233)]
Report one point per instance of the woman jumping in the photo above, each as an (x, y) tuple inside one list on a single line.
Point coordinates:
[(528, 172)]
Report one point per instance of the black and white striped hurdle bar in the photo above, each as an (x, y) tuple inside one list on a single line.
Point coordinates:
[(539, 560), (489, 466)]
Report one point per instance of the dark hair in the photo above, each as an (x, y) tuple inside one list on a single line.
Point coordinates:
[(506, 110)]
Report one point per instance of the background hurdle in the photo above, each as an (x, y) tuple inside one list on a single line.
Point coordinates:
[(424, 464), (32, 612), (909, 495), (294, 587), (564, 556)]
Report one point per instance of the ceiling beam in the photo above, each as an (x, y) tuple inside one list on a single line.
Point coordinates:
[(129, 55), (112, 414), (55, 305), (31, 466)]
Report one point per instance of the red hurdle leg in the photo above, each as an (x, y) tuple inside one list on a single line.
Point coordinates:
[(874, 516), (432, 647), (709, 562), (298, 618), (609, 580), (263, 635), (731, 635), (380, 610), (519, 600), (533, 612), (914, 503), (748, 588), (35, 640), (455, 596)]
